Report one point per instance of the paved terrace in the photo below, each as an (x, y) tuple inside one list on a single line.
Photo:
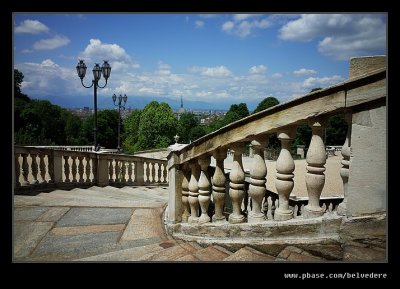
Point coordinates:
[(111, 224)]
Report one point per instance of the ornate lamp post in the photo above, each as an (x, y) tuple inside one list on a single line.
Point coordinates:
[(119, 104), (97, 71)]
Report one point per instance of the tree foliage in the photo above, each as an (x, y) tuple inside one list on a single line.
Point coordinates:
[(157, 126), (131, 131), (107, 128), (266, 103)]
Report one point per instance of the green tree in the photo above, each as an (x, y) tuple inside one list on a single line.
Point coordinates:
[(20, 100), (266, 103), (196, 132), (187, 122), (131, 131), (315, 89), (107, 128), (42, 124), (72, 129), (235, 112), (157, 126)]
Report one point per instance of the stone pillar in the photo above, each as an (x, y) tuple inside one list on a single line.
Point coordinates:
[(236, 191), (315, 177), (284, 175), (218, 185), (57, 168), (42, 167), (344, 171), (174, 189), (185, 193), (258, 175), (139, 172), (102, 171), (194, 192), (204, 189)]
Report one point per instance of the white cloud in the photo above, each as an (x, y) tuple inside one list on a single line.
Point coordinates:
[(258, 69), (51, 43), (313, 82), (31, 27), (343, 35), (208, 15), (199, 23), (277, 75), (228, 26), (27, 51), (217, 71), (242, 26), (115, 54), (163, 69), (303, 72)]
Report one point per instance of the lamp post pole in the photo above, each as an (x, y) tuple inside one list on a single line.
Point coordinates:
[(97, 72), (119, 104)]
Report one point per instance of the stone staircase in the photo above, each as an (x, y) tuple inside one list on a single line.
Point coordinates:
[(114, 224)]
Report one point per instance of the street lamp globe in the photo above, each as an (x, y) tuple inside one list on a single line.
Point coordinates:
[(97, 72), (81, 69), (106, 68)]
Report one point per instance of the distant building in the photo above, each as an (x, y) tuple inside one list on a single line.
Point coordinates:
[(181, 109)]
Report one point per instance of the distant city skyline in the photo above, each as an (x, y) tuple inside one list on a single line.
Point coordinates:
[(210, 60)]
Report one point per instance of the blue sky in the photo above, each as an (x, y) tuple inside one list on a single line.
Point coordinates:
[(213, 60)]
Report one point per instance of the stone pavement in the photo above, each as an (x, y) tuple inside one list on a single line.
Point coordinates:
[(111, 224)]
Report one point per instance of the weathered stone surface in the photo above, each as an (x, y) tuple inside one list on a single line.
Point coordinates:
[(130, 254), (68, 247), (95, 216), (144, 223), (367, 175), (366, 227), (188, 258), (28, 213), (211, 253), (27, 235), (53, 214), (249, 254), (359, 253), (168, 254), (303, 257), (292, 253), (78, 230), (330, 251)]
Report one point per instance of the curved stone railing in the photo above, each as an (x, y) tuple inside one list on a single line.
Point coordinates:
[(67, 148), (38, 168), (198, 197)]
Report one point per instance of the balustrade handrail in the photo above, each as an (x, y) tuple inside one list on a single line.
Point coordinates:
[(191, 185), (326, 101), (40, 167)]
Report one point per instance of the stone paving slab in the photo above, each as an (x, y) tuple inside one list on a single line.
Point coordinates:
[(249, 254), (78, 230), (128, 254), (168, 254), (53, 214), (144, 223), (28, 213), (27, 235), (95, 216), (67, 247), (210, 254)]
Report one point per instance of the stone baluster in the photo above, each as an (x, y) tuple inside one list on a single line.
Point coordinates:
[(185, 193), (117, 171), (34, 168), (284, 175), (111, 170), (130, 172), (17, 169), (95, 165), (123, 171), (218, 185), (236, 184), (74, 169), (147, 172), (344, 171), (87, 169), (50, 165), (315, 177), (66, 169), (273, 206), (159, 172), (153, 172), (194, 192), (258, 175), (42, 167), (165, 171), (204, 189), (80, 169)]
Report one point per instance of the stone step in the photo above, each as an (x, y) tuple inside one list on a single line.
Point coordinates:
[(212, 253), (249, 254), (119, 195), (145, 191), (82, 201)]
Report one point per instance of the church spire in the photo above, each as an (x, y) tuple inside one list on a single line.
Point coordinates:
[(181, 102)]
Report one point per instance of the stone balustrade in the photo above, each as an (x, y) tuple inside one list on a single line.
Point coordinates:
[(199, 198), (49, 168)]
